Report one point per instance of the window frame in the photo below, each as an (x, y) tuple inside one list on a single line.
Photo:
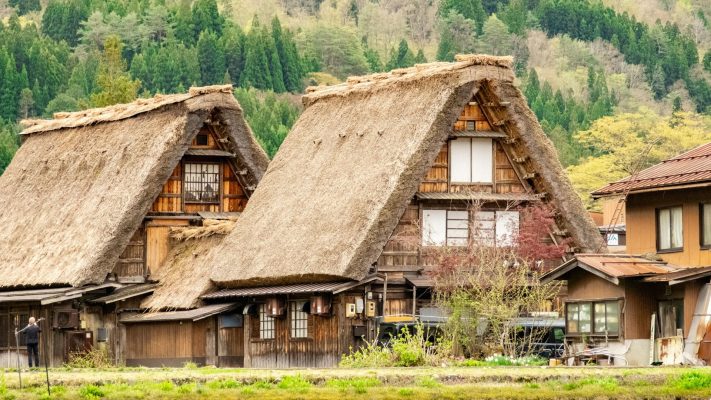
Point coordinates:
[(472, 228), (298, 327), (220, 179), (593, 303), (702, 237), (265, 323), (471, 181), (657, 225)]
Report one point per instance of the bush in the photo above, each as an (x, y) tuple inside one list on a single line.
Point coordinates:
[(96, 358), (294, 383), (405, 350)]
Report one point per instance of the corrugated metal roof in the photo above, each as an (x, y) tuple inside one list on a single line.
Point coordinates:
[(32, 295), (692, 167), (482, 196), (127, 293), (681, 275), (621, 266), (187, 315), (327, 287), (420, 281)]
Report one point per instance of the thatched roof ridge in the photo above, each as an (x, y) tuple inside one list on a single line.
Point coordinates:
[(180, 283), (419, 71), (118, 111), (343, 177), (74, 195)]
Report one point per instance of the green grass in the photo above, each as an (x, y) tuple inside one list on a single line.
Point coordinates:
[(491, 382)]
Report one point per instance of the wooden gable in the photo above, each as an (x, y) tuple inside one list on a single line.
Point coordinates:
[(474, 123), (206, 148)]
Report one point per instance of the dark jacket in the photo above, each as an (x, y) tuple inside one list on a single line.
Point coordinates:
[(32, 332)]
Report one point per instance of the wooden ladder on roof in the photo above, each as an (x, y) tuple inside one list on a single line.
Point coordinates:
[(622, 201)]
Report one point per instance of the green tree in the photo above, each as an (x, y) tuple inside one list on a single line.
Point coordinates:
[(113, 81), (25, 6), (9, 143), (496, 38), (402, 58), (212, 58), (256, 71), (515, 16), (183, 26), (288, 56), (470, 9), (457, 35), (707, 60), (206, 17), (336, 48), (373, 59)]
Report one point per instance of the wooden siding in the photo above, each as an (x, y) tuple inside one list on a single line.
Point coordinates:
[(170, 199), (158, 242), (583, 285), (329, 337), (437, 178), (131, 263), (641, 224), (170, 343), (234, 199), (401, 252)]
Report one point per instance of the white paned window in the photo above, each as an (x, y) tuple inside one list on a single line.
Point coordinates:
[(266, 323), (471, 160), (506, 228), (706, 224), (202, 183), (299, 320), (450, 227), (496, 228), (669, 228), (434, 229)]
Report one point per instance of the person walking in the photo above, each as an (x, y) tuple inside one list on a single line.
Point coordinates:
[(32, 333)]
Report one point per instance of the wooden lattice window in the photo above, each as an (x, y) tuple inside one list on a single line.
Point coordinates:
[(202, 183), (266, 323), (5, 329), (299, 320)]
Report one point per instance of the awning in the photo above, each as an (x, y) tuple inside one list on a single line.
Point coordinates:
[(219, 215), (127, 293), (209, 152), (53, 295), (31, 295), (478, 196), (186, 315), (75, 293), (324, 287), (420, 281), (681, 276)]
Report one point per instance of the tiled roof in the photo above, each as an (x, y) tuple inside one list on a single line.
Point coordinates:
[(691, 167)]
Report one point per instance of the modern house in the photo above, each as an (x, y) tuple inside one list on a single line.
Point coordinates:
[(89, 202), (375, 173), (663, 282)]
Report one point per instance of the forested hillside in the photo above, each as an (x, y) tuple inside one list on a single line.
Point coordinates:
[(604, 77)]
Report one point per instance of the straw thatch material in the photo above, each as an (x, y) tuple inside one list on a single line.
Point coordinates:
[(80, 186), (181, 283), (341, 180)]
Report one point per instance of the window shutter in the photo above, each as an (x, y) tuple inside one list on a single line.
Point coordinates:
[(482, 160), (460, 159), (506, 228)]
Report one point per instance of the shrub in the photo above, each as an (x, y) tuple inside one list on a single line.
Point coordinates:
[(95, 358), (190, 365), (428, 382)]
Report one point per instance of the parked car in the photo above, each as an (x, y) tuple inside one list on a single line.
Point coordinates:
[(541, 336)]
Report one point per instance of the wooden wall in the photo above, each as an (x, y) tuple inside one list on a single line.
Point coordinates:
[(641, 224), (172, 343), (329, 338), (401, 252), (131, 263), (583, 285)]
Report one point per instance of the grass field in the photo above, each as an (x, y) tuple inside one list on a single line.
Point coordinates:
[(371, 384)]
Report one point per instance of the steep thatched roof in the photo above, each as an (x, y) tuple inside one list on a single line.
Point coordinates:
[(80, 184), (341, 180), (181, 283)]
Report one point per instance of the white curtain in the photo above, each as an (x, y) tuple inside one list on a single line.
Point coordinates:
[(707, 224), (664, 225), (677, 237)]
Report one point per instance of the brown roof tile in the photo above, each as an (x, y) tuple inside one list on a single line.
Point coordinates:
[(691, 167)]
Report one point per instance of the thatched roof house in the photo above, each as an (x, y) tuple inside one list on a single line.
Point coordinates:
[(343, 177), (81, 184)]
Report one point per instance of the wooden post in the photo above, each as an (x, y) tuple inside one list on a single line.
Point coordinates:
[(385, 293), (414, 300), (246, 324), (19, 370), (651, 338)]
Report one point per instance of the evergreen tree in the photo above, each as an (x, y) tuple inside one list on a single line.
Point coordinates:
[(206, 17), (420, 57), (288, 56), (212, 58), (402, 58), (373, 59), (275, 66), (469, 9), (515, 16), (113, 81), (707, 60), (233, 44), (184, 29), (25, 6), (256, 63)]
